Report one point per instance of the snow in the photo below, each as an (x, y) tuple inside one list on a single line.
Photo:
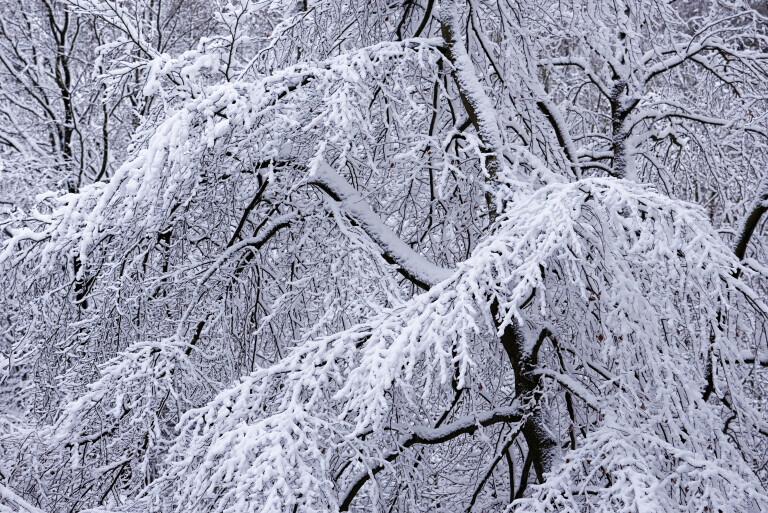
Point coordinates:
[(221, 322), (17, 504), (357, 207)]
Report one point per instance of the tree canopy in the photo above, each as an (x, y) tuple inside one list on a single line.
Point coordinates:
[(329, 255)]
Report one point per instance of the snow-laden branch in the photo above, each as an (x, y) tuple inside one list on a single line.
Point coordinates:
[(752, 358), (478, 104), (17, 504), (648, 472), (414, 265), (571, 385), (600, 246), (206, 283)]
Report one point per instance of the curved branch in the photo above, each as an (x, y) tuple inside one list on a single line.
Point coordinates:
[(759, 208), (432, 436)]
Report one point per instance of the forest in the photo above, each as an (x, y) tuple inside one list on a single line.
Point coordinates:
[(397, 256)]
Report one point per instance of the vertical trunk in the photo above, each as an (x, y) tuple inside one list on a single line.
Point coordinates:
[(542, 443), (476, 102), (622, 165)]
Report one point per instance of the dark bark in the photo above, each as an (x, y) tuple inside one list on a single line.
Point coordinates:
[(542, 444), (750, 224)]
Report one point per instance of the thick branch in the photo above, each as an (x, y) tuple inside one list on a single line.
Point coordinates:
[(478, 105), (753, 218), (420, 270), (542, 444)]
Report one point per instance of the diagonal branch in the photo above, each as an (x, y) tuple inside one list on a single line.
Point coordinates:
[(478, 105), (413, 265)]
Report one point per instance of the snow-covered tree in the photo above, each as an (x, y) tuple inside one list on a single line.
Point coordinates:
[(404, 256)]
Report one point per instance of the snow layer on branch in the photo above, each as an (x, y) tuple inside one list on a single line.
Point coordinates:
[(137, 397), (356, 205), (12, 503), (626, 281), (469, 84)]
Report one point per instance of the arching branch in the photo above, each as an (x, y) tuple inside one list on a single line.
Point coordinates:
[(432, 436)]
